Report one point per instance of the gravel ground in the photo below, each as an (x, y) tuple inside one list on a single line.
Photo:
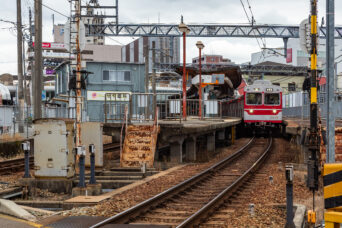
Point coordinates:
[(268, 196), (11, 180), (138, 194)]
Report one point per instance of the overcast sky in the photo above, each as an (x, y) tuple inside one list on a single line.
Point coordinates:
[(169, 11)]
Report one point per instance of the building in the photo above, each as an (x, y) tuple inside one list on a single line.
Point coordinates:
[(106, 77), (296, 56), (167, 52), (211, 59), (289, 77), (92, 19)]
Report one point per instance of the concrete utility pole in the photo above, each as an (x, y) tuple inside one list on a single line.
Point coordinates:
[(38, 60), (147, 78), (330, 59), (20, 66), (78, 76), (147, 65), (154, 78), (31, 60)]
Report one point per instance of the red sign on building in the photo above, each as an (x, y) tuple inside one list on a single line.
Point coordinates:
[(289, 55)]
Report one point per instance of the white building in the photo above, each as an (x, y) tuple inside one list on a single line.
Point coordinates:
[(296, 56)]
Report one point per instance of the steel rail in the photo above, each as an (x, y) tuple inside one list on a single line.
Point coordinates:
[(18, 164), (196, 218), (125, 216)]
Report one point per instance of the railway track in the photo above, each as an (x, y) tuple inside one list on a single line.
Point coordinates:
[(111, 146), (14, 165), (191, 202)]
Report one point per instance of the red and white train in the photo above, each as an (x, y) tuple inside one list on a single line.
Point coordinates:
[(263, 104)]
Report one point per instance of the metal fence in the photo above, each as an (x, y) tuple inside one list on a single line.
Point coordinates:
[(302, 108), (15, 119), (170, 106)]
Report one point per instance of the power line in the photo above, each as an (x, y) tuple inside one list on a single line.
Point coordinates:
[(244, 9), (48, 7), (254, 21)]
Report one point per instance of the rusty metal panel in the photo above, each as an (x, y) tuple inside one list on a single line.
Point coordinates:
[(139, 146), (53, 148), (92, 134), (338, 147)]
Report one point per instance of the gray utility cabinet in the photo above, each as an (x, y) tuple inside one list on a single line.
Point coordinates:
[(53, 148), (92, 134)]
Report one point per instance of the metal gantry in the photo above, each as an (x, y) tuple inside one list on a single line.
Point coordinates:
[(203, 30)]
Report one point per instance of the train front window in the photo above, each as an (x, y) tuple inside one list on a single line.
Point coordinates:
[(254, 98), (272, 99)]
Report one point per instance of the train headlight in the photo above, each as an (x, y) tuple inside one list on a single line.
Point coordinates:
[(251, 111), (274, 111)]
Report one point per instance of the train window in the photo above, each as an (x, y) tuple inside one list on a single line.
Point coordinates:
[(272, 99), (254, 98)]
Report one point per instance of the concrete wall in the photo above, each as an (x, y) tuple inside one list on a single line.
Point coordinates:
[(103, 53)]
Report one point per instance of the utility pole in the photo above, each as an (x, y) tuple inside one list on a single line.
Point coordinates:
[(147, 65), (330, 59), (312, 181), (31, 60), (80, 150), (78, 76), (147, 78), (20, 67), (154, 78), (38, 60)]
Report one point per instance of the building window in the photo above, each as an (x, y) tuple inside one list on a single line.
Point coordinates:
[(116, 76), (292, 87)]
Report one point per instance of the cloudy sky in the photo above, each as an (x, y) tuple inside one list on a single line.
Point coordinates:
[(239, 50)]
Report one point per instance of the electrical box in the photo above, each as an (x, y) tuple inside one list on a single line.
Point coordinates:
[(289, 172), (53, 148), (92, 134), (25, 146)]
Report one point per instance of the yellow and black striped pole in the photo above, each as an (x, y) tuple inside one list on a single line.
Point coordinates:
[(313, 92), (312, 181)]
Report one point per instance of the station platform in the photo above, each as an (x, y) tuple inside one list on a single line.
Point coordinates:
[(295, 126), (64, 222), (191, 140), (298, 130), (12, 222)]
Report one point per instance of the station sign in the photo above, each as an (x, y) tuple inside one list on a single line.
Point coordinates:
[(57, 55), (111, 96)]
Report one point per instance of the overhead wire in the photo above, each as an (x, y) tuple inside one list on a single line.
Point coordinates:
[(251, 21), (263, 40)]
